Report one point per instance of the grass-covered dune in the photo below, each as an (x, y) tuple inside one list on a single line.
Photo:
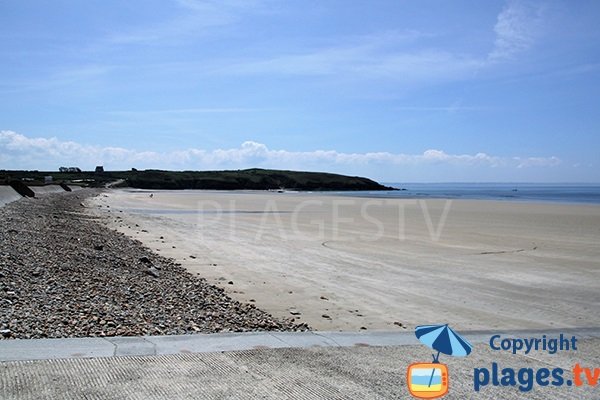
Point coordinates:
[(251, 179)]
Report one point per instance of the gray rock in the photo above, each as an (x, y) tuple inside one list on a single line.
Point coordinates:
[(153, 271)]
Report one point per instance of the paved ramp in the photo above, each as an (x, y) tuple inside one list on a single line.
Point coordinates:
[(357, 372), (41, 190), (7, 195)]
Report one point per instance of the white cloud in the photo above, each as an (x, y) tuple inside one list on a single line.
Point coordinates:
[(183, 111), (369, 57), (195, 17), (88, 75), (516, 29), (385, 56), (537, 162), (397, 57), (20, 151)]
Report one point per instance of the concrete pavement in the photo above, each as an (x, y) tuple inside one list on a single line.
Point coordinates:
[(270, 365), (8, 195)]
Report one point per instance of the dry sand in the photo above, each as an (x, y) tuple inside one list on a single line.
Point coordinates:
[(345, 263)]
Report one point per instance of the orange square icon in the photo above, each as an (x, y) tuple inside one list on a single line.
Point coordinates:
[(427, 380)]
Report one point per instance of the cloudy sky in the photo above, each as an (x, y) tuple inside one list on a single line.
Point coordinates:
[(395, 90)]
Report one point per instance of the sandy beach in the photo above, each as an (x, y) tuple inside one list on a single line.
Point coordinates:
[(349, 263), (64, 274)]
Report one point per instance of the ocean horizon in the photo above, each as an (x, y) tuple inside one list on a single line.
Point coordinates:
[(526, 192), (564, 193)]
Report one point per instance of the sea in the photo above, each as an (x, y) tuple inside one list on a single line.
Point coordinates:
[(527, 192)]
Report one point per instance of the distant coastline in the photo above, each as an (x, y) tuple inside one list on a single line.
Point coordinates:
[(247, 179)]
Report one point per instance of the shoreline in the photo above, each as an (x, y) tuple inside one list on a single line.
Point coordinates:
[(64, 274), (368, 195), (505, 258)]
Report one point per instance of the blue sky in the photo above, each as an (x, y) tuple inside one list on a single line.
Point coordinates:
[(394, 90)]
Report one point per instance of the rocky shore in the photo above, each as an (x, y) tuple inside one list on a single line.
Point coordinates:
[(64, 274)]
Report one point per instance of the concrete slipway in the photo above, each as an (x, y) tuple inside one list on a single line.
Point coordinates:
[(42, 190), (271, 365), (8, 195)]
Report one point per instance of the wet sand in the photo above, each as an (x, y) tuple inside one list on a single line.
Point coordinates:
[(344, 263)]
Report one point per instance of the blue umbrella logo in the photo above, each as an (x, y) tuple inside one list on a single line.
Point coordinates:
[(444, 340)]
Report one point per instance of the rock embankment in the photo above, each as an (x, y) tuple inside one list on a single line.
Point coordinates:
[(63, 274)]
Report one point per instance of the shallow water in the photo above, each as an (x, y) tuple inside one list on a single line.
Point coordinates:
[(558, 193)]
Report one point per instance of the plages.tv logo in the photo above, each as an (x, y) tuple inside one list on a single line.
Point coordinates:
[(431, 380)]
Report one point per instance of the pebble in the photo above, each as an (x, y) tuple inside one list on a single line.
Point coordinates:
[(154, 272), (113, 291)]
